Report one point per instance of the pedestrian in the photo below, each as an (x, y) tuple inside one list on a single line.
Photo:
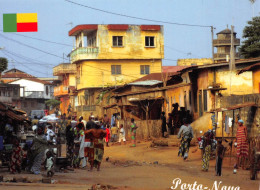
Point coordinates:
[(169, 123), (39, 145), (82, 145), (186, 133), (70, 143), (114, 131), (16, 158), (122, 134), (208, 137), (96, 151), (219, 158), (242, 144), (163, 118), (133, 128), (107, 135), (49, 164)]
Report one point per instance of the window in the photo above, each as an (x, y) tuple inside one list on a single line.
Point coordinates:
[(115, 69), (149, 41), (117, 41), (145, 69), (47, 90), (205, 100)]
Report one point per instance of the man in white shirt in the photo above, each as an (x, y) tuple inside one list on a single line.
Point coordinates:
[(50, 134)]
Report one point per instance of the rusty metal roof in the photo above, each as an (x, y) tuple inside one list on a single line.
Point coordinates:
[(249, 68), (234, 107)]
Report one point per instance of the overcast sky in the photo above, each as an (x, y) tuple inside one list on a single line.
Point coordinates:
[(57, 17)]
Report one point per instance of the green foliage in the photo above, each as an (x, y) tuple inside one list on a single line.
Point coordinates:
[(251, 46), (52, 102), (3, 64)]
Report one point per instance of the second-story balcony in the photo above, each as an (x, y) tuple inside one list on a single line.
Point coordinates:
[(64, 68), (226, 42), (34, 94), (223, 56), (61, 90), (83, 53)]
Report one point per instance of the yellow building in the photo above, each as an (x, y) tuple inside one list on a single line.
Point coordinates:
[(112, 55), (66, 73)]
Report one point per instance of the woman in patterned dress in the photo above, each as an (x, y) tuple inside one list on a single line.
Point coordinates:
[(242, 143), (16, 158), (133, 132)]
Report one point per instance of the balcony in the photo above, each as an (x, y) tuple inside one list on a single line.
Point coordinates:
[(83, 53), (61, 90), (34, 94), (225, 42), (223, 56), (64, 68)]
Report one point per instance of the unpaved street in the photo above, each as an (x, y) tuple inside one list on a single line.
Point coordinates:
[(144, 168)]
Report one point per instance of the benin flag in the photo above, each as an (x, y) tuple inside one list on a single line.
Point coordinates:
[(20, 22)]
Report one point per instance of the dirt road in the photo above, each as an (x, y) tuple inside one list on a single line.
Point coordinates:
[(143, 167)]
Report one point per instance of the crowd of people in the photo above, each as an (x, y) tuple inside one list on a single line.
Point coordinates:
[(85, 141)]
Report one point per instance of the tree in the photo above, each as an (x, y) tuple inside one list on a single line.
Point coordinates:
[(3, 64), (251, 46), (52, 102)]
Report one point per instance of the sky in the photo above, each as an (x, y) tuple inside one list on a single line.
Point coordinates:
[(38, 52)]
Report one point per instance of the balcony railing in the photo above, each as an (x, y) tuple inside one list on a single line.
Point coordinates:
[(84, 53), (226, 42), (61, 90), (34, 94), (224, 55), (64, 68)]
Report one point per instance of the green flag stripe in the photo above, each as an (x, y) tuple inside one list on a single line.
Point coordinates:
[(9, 23)]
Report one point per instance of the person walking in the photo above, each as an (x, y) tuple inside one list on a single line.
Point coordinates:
[(219, 158), (107, 135), (133, 132), (242, 144), (186, 133), (96, 150), (208, 137)]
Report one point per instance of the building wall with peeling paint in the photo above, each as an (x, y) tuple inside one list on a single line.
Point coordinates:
[(256, 80), (235, 84), (188, 62)]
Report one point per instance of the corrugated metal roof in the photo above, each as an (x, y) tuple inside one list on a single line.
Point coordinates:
[(146, 83)]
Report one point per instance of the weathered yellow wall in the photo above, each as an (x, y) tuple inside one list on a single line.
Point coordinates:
[(72, 80), (202, 61), (133, 44), (256, 80), (240, 84), (98, 73)]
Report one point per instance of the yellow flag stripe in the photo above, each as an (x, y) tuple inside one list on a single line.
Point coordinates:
[(26, 17)]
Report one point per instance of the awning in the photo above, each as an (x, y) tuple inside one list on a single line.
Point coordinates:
[(145, 99)]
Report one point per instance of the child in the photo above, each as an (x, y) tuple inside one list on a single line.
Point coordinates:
[(122, 134), (49, 164), (114, 132), (219, 158), (16, 158)]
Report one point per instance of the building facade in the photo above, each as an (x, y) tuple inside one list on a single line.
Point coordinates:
[(112, 55), (66, 73)]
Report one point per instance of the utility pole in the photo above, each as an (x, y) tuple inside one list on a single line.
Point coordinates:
[(212, 38), (232, 57)]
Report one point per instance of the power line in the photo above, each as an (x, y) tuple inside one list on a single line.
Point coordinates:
[(134, 17), (43, 40), (32, 47), (28, 59), (23, 64)]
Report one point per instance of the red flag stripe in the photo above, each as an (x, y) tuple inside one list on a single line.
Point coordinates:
[(27, 27)]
